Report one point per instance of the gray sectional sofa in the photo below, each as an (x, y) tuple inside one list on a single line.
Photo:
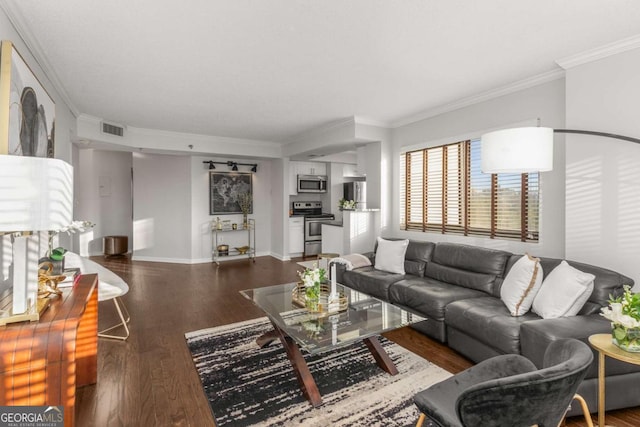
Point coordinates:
[(457, 288)]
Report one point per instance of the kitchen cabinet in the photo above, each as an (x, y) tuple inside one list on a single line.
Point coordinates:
[(312, 168), (303, 168), (296, 235)]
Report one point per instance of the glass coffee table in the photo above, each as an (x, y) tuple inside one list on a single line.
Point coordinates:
[(301, 331)]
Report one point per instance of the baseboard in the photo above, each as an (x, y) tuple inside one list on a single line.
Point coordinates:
[(281, 257), (166, 260), (197, 260)]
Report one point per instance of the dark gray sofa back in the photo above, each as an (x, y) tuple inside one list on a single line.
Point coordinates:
[(607, 282), (469, 266), (418, 254)]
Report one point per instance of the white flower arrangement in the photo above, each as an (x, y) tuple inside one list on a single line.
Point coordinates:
[(624, 314), (624, 310), (74, 227), (312, 276)]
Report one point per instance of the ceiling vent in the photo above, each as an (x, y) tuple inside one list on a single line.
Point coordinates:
[(112, 129)]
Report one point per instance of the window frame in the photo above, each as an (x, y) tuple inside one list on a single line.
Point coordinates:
[(501, 192)]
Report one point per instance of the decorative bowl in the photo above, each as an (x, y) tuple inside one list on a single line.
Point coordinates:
[(242, 249)]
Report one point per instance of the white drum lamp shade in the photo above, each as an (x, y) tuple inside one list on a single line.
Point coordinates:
[(517, 150), (36, 194)]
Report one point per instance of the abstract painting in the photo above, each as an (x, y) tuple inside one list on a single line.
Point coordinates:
[(27, 112)]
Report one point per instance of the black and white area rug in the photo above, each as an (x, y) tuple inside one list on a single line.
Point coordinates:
[(249, 386)]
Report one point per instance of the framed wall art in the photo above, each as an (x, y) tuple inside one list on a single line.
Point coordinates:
[(225, 190), (27, 112)]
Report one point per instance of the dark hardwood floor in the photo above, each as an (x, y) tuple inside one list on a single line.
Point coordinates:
[(150, 380)]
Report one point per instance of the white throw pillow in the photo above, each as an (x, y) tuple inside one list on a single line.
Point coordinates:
[(521, 285), (390, 255), (563, 292)]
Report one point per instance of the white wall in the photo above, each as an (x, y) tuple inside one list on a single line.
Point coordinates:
[(279, 224), (102, 196), (603, 174), (545, 102), (162, 208), (200, 234), (65, 127)]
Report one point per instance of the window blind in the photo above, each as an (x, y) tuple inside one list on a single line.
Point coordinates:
[(442, 189)]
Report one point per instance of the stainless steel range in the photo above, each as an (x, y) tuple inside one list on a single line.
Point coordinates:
[(313, 218)]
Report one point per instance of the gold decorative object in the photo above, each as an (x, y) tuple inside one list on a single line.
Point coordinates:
[(298, 297), (47, 283), (242, 249)]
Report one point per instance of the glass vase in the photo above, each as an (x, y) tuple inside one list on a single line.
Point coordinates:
[(628, 339), (312, 298)]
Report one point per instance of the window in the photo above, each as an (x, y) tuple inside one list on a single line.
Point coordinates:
[(442, 189)]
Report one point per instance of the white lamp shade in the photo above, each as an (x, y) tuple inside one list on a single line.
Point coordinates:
[(36, 193), (517, 150)]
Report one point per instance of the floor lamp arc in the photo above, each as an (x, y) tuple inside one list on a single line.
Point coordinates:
[(527, 149)]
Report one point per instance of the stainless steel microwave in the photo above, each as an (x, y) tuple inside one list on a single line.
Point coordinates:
[(312, 183)]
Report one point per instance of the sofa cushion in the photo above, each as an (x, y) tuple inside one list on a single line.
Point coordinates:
[(469, 266), (607, 282), (538, 334), (521, 285), (416, 251), (472, 258), (563, 292), (489, 321), (370, 281), (427, 296)]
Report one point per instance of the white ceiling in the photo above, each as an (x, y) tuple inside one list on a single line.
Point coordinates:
[(269, 70)]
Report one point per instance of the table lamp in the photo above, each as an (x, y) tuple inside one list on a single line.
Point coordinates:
[(36, 194)]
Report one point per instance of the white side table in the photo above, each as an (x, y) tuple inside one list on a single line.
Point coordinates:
[(110, 287)]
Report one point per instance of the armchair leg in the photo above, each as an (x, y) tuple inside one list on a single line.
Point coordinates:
[(421, 420), (585, 411)]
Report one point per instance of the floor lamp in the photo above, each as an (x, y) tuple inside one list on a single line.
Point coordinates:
[(36, 194), (526, 149)]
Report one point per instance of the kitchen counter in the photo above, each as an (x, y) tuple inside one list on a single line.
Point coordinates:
[(356, 233), (362, 210)]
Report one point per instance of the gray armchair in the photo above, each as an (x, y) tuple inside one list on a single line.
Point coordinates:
[(510, 391)]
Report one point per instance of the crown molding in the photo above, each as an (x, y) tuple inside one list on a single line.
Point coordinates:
[(482, 97), (22, 28), (599, 52)]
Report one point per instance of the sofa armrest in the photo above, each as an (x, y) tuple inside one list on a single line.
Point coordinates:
[(536, 335), (371, 256)]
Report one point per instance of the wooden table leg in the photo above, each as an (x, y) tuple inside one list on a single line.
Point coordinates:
[(601, 380), (382, 358), (300, 368)]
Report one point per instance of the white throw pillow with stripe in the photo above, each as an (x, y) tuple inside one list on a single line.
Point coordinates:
[(521, 285)]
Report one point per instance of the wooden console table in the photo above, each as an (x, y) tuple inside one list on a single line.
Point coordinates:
[(42, 363)]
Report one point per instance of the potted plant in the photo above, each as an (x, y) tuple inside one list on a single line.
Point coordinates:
[(56, 255), (624, 314), (312, 278), (245, 200)]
